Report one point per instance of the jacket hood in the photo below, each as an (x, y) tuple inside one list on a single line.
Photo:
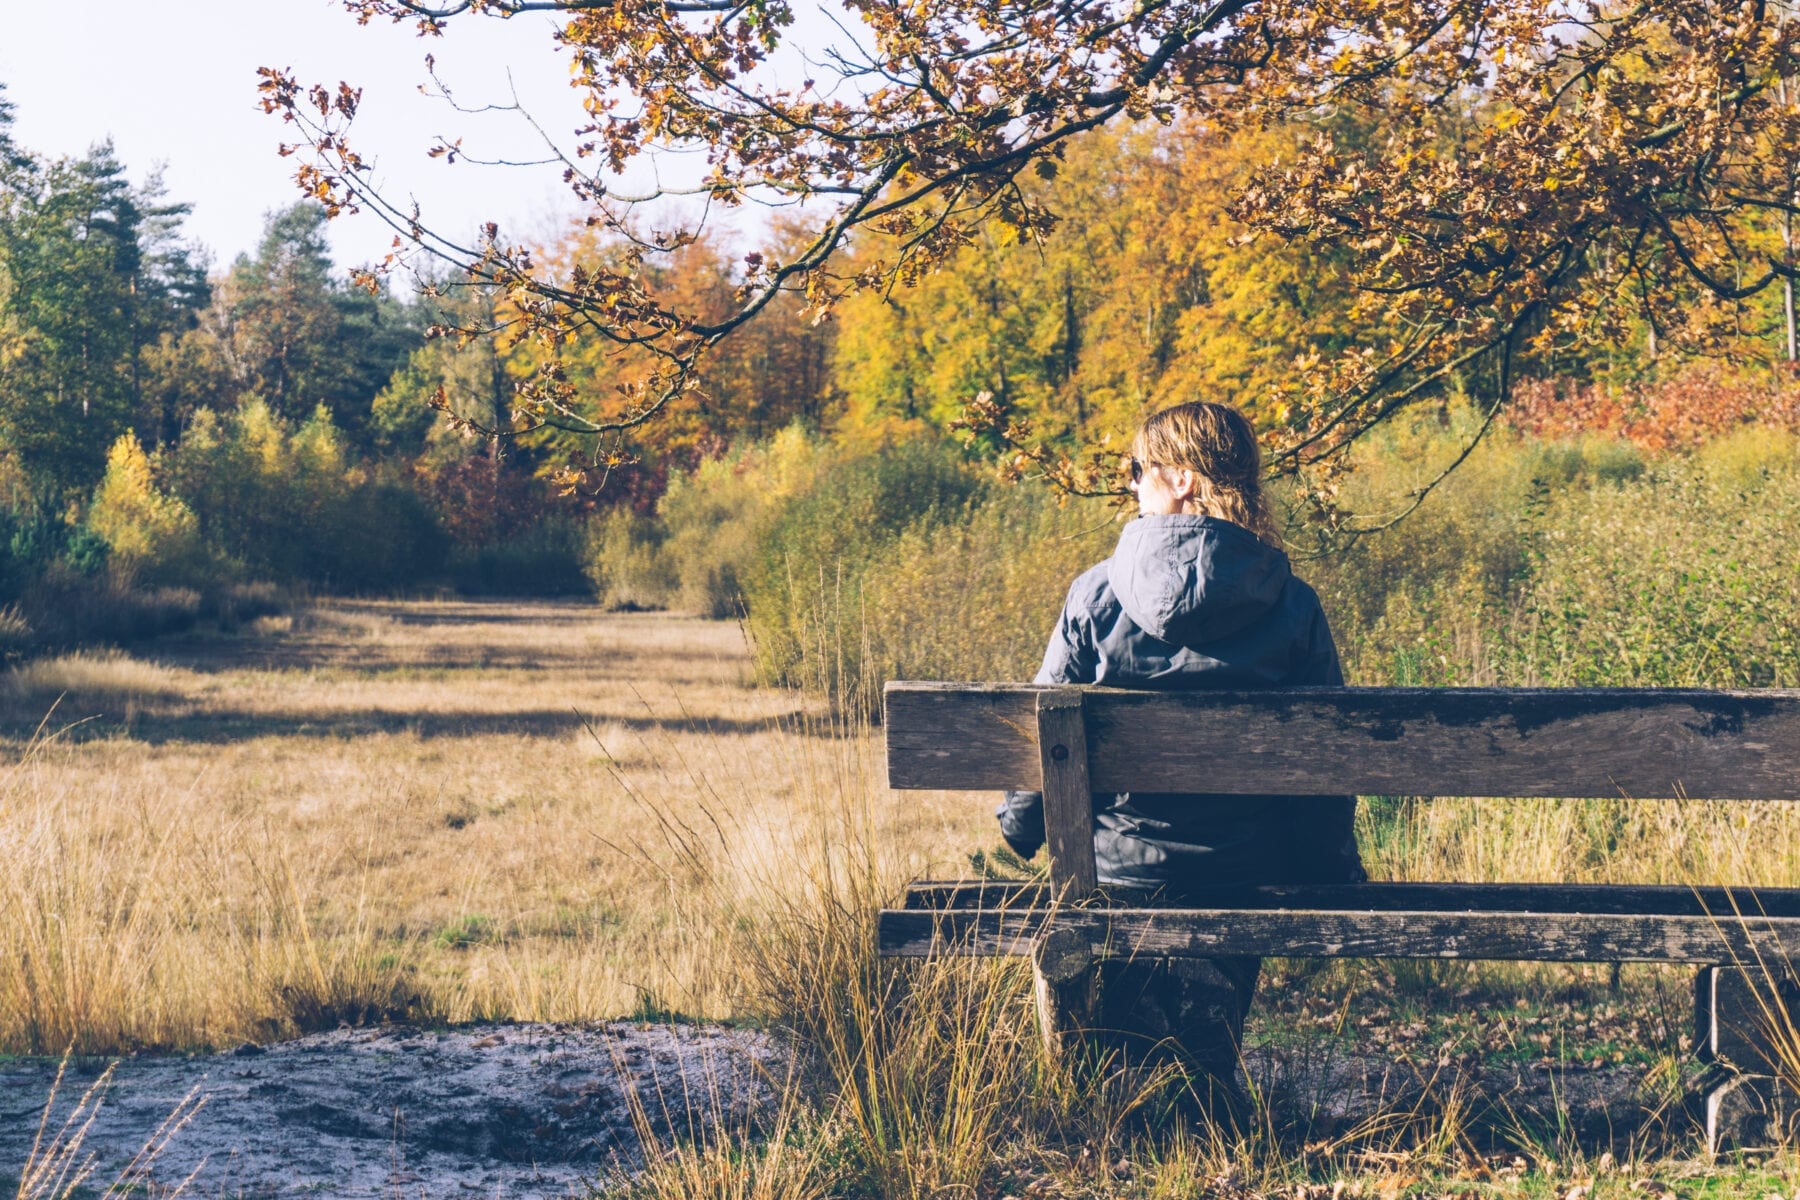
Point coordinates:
[(1189, 580)]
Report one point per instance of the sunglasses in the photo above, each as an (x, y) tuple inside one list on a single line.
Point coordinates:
[(1137, 471)]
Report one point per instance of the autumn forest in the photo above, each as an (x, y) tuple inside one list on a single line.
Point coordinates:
[(488, 641)]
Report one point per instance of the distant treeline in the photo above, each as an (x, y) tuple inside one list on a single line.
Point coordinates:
[(174, 434), (178, 441)]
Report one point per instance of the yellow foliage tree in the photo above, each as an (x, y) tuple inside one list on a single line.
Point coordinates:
[(1149, 293), (152, 536)]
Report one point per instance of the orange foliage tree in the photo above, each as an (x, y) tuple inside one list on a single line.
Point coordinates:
[(1539, 176), (750, 386)]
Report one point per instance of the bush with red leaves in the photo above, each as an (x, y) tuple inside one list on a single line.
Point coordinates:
[(1681, 412)]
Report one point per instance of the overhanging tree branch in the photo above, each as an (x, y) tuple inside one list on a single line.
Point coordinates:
[(1657, 120)]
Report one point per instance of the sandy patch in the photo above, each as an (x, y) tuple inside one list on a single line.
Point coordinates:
[(487, 1110)]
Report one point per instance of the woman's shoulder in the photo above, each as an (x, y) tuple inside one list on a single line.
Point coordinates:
[(1303, 596), (1092, 589), (1091, 600)]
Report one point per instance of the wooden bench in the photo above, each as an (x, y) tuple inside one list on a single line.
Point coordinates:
[(1069, 742)]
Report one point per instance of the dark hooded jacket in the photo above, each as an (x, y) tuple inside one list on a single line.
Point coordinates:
[(1197, 602)]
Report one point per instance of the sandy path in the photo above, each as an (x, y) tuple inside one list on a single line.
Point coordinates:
[(493, 1110)]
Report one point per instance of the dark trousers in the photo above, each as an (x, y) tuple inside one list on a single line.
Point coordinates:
[(1178, 1020), (1163, 1010)]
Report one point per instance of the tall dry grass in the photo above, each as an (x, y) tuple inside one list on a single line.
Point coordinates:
[(447, 812), (236, 848), (1685, 843), (436, 811), (922, 1068), (124, 926)]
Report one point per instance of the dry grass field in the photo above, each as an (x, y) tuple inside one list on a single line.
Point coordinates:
[(456, 810), (436, 810), (451, 811)]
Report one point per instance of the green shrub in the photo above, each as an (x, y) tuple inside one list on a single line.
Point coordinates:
[(1412, 604), (1572, 563), (716, 517), (625, 563), (41, 541), (1689, 577), (287, 504), (976, 597), (805, 586), (1558, 563), (546, 558)]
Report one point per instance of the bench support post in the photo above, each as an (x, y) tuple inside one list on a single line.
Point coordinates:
[(1746, 1031), (1068, 800), (1062, 961), (1063, 977)]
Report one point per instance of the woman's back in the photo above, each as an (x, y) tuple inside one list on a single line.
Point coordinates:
[(1191, 602)]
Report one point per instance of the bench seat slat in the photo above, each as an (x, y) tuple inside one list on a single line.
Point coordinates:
[(1643, 743), (1298, 933), (1624, 899)]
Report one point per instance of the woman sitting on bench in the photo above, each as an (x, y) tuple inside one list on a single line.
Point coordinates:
[(1198, 594)]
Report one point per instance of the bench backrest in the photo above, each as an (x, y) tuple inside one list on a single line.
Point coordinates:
[(1069, 742)]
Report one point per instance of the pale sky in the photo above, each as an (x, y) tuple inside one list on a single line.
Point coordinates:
[(175, 81)]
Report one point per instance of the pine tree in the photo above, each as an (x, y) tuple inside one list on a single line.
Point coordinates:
[(298, 335), (70, 241)]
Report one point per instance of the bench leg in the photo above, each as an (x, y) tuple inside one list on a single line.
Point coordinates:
[(1064, 981), (1745, 1030)]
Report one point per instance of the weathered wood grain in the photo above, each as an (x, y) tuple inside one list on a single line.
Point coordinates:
[(1068, 799), (1645, 899), (1063, 983), (1513, 936), (1373, 741), (936, 732), (974, 893)]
